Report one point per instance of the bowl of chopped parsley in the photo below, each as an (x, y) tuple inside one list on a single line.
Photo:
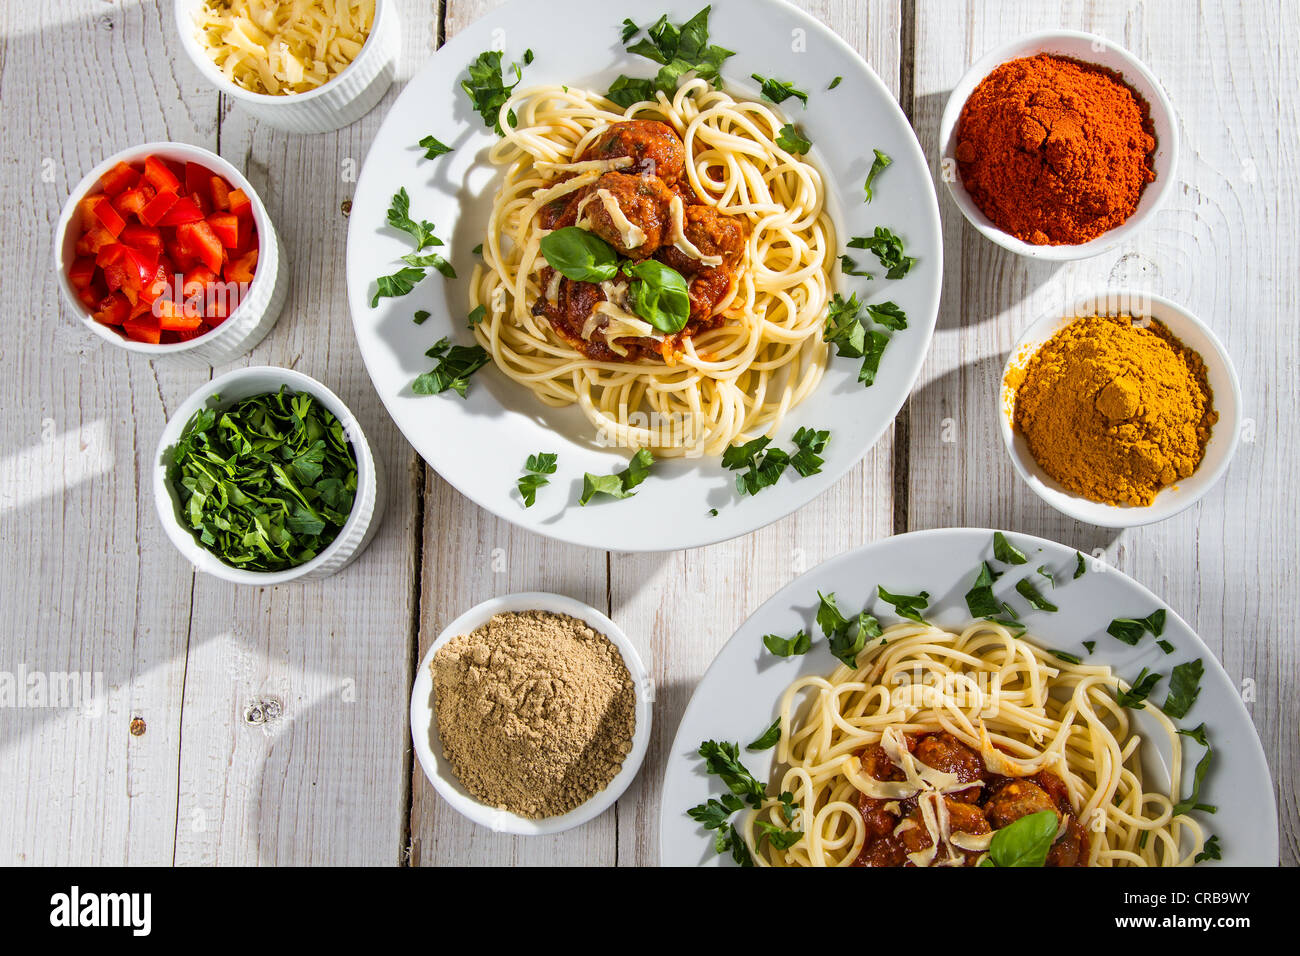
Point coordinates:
[(263, 476)]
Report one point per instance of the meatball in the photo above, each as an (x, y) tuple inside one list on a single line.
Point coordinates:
[(962, 818), (946, 753), (713, 234), (642, 201), (1016, 799), (655, 148)]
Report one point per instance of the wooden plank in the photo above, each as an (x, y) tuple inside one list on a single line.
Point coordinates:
[(89, 582), (326, 783), (682, 607), (469, 556), (1221, 247)]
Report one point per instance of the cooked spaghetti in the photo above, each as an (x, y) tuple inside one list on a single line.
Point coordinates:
[(697, 183), (936, 740)]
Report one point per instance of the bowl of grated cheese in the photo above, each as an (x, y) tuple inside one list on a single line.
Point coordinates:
[(307, 67)]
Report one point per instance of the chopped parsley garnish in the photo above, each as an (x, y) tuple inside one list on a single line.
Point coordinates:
[(768, 738), (619, 485), (716, 814), (433, 147), (456, 363), (678, 50), (266, 484), (1090, 645), (888, 248), (849, 265), (763, 467), (1141, 689), (909, 606), (1198, 775), (529, 56), (835, 82), (809, 445), (852, 339), (1026, 589), (722, 759), (487, 90), (880, 163), (535, 471), (845, 638), (1184, 688), (889, 315), (398, 284), (792, 140), (779, 838), (401, 283), (1130, 629), (420, 317), (979, 599), (399, 217), (778, 91), (1005, 551), (1212, 850), (1068, 658), (1080, 565), (1166, 646), (478, 315), (788, 646)]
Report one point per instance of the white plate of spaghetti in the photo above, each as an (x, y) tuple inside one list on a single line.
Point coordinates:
[(966, 698), (644, 276)]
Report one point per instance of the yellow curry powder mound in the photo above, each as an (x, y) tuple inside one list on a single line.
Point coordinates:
[(1115, 411)]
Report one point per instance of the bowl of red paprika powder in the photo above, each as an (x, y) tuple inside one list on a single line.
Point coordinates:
[(1059, 145)]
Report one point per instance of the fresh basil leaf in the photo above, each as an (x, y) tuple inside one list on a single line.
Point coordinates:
[(792, 140), (433, 148), (1031, 594), (788, 646), (1005, 551), (580, 255), (1025, 842), (879, 164), (907, 606), (768, 738), (660, 295), (1184, 688)]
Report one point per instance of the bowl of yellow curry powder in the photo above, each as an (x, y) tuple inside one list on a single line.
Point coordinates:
[(1122, 412)]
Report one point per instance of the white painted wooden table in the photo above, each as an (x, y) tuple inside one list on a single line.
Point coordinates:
[(88, 582)]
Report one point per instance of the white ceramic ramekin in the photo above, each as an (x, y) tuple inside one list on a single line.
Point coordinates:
[(1090, 49), (341, 101), (424, 724), (257, 311), (1219, 450), (225, 390)]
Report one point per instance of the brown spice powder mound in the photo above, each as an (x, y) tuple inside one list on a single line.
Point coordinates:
[(536, 711), (1113, 411)]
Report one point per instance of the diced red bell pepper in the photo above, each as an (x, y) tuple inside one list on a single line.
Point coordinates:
[(226, 226), (177, 318), (242, 269), (94, 240), (113, 310), (199, 239), (144, 328), (131, 202), (160, 174), (184, 210), (98, 208), (90, 298), (81, 272), (117, 179), (240, 204), (220, 194), (197, 281), (198, 180), (158, 207), (143, 239)]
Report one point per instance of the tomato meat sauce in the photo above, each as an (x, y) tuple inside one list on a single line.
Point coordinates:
[(895, 828), (165, 252)]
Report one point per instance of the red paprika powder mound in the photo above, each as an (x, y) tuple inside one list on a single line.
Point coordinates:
[(1055, 151)]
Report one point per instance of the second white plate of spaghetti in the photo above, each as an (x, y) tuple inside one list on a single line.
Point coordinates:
[(641, 275), (966, 698)]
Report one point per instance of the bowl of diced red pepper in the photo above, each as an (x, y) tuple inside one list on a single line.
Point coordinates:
[(160, 245)]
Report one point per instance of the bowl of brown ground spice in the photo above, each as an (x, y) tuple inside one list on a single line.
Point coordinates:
[(530, 713), (1058, 145), (1123, 412)]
